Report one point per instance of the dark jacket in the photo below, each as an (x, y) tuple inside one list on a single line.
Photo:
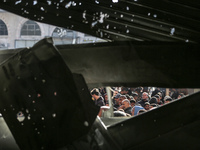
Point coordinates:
[(116, 106), (100, 101), (142, 102), (128, 110)]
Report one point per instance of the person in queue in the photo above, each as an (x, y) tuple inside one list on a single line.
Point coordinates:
[(98, 99), (116, 100), (144, 99), (126, 106)]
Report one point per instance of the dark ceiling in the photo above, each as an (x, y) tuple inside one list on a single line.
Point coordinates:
[(119, 20)]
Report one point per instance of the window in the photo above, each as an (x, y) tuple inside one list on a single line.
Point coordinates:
[(30, 28), (24, 43), (3, 28)]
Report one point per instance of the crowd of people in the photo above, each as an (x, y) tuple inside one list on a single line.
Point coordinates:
[(134, 101)]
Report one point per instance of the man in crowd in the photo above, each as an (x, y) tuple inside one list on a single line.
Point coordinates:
[(124, 91), (126, 106), (105, 96), (132, 101), (144, 99), (98, 99), (147, 106), (180, 95), (174, 93), (121, 98), (135, 96), (116, 100), (159, 102), (167, 99)]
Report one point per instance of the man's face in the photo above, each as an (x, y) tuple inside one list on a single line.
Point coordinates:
[(144, 96), (106, 97), (120, 100), (146, 107), (117, 100), (94, 96), (115, 93), (135, 97), (132, 104), (125, 105)]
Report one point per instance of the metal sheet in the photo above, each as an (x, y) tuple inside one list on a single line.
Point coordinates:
[(134, 64), (119, 20), (40, 101), (7, 141), (175, 125), (98, 138)]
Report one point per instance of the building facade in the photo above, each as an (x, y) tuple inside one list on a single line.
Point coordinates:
[(18, 32)]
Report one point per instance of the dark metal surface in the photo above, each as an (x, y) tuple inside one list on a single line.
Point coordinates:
[(55, 114), (133, 63), (7, 142), (97, 139), (139, 20), (37, 84), (172, 126), (58, 112)]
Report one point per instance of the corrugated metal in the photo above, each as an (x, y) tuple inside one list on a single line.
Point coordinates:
[(140, 20)]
